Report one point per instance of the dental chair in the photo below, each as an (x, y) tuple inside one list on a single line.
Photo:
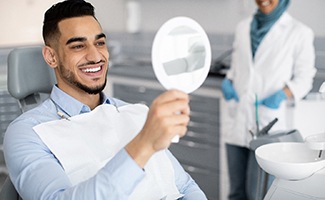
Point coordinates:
[(30, 81)]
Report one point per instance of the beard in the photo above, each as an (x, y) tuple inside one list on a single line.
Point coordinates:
[(68, 76), (89, 90)]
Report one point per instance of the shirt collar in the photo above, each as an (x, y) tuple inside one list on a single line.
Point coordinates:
[(70, 105)]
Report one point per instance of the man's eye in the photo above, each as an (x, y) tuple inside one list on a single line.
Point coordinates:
[(101, 43), (77, 46)]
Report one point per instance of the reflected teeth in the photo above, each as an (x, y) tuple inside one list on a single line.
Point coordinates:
[(91, 70), (265, 3)]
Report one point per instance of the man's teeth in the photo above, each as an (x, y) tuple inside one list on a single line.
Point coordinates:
[(89, 70)]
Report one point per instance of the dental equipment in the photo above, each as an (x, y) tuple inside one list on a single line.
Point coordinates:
[(266, 129), (256, 115), (299, 167)]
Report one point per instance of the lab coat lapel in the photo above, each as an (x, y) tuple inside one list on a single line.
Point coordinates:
[(267, 44)]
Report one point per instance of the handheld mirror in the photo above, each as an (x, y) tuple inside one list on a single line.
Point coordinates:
[(181, 55)]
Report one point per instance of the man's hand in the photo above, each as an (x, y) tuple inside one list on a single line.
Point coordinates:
[(168, 116)]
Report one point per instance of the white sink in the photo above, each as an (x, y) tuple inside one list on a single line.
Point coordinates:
[(289, 160)]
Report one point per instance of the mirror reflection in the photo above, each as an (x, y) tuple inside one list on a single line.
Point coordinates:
[(181, 54), (185, 49)]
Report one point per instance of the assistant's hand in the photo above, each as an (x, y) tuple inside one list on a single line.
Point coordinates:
[(228, 90), (168, 116), (274, 100)]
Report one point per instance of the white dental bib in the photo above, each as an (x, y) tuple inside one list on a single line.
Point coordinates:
[(85, 143)]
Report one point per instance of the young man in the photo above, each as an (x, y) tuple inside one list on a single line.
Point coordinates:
[(47, 155)]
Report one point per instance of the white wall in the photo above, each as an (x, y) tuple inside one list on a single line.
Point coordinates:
[(21, 20)]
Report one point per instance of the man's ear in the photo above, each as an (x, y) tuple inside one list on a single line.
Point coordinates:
[(49, 56)]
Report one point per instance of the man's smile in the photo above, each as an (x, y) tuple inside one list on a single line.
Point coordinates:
[(92, 70)]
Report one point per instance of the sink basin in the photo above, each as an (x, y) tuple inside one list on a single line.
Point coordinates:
[(289, 160)]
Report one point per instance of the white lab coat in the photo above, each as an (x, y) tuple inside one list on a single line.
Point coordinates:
[(285, 56)]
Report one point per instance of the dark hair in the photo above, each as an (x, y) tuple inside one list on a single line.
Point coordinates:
[(60, 11)]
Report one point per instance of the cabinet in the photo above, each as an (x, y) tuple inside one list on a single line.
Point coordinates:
[(199, 150)]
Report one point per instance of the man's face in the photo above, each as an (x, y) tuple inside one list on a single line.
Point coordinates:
[(266, 6), (82, 56)]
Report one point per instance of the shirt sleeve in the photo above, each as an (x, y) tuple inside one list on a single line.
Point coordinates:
[(37, 174), (185, 184)]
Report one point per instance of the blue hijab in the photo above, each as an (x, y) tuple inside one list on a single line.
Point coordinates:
[(262, 23)]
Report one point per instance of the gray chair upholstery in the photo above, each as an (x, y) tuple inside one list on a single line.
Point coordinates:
[(29, 77), (8, 191), (30, 81)]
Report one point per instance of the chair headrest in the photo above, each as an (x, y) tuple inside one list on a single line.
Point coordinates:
[(28, 73)]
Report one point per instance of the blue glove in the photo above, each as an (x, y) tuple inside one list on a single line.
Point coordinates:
[(274, 100), (228, 90)]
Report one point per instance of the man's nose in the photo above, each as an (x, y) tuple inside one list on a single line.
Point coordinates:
[(93, 54)]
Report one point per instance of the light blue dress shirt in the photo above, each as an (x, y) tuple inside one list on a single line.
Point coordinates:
[(37, 174)]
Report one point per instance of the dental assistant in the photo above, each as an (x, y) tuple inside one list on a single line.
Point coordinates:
[(273, 62)]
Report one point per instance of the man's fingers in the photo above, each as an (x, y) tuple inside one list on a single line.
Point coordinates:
[(178, 119), (175, 107), (171, 95)]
